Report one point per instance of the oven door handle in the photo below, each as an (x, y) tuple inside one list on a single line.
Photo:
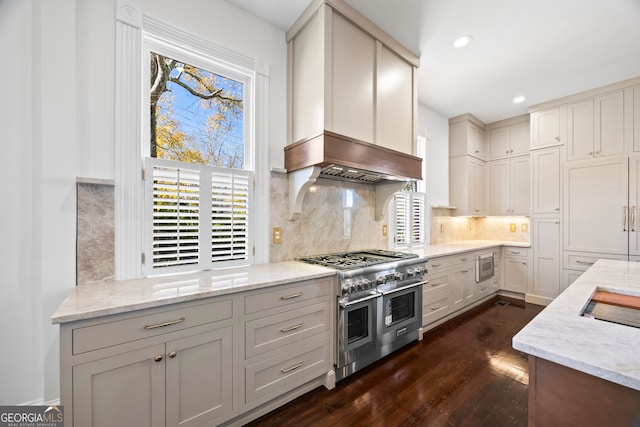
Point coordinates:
[(411, 285), (358, 301)]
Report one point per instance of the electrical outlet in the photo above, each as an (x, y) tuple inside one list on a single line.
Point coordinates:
[(524, 227), (385, 229), (512, 227), (277, 235), (442, 228)]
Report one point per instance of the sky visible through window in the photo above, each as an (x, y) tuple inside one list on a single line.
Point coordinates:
[(196, 115)]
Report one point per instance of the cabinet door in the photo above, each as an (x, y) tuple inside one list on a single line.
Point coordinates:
[(500, 187), (476, 145), (500, 142), (545, 128), (580, 130), (546, 181), (634, 205), (464, 277), (515, 274), (123, 390), (395, 102), (596, 213), (352, 81), (636, 118), (609, 125), (477, 188), (520, 139), (520, 189), (546, 257), (199, 380)]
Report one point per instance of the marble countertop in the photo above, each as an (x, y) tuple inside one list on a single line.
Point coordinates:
[(101, 299), (606, 350), (444, 249)]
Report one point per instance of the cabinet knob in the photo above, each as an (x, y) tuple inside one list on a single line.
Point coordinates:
[(558, 138), (157, 358), (173, 354)]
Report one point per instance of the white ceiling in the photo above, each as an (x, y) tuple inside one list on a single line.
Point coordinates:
[(542, 49)]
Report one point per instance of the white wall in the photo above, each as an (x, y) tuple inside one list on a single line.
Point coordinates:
[(57, 114)]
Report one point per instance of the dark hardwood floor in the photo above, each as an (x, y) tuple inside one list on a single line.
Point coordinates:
[(464, 373)]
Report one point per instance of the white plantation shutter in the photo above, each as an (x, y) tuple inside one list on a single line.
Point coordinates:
[(417, 218), (229, 215), (190, 230), (409, 218), (402, 220)]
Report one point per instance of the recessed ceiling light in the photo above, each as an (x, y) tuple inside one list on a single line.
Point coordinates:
[(518, 99), (462, 41)]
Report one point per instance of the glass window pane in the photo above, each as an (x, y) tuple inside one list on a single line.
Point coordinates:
[(196, 115)]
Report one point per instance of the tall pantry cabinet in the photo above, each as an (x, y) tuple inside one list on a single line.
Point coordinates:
[(597, 154)]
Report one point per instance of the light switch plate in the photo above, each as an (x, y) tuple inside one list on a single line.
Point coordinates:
[(385, 229)]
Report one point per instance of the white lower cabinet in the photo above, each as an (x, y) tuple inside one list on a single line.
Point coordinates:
[(452, 287), (546, 257), (516, 269), (183, 364)]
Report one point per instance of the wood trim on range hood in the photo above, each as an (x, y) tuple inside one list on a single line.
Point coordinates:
[(330, 148)]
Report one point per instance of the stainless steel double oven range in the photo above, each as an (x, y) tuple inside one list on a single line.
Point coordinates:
[(379, 300)]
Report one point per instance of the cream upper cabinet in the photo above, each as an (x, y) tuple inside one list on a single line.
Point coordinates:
[(467, 182), (467, 137), (349, 77), (546, 180), (510, 186), (595, 127), (508, 138), (546, 128), (635, 117), (597, 214)]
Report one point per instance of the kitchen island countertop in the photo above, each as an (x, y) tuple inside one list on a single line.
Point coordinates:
[(603, 349)]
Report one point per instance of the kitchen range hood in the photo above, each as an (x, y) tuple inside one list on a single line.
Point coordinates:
[(334, 156), (344, 158)]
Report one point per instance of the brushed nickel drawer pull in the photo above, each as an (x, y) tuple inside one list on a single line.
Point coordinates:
[(435, 307), (435, 284), (515, 252), (292, 328), (162, 325), (463, 259), (465, 271), (435, 265), (584, 262), (292, 368), (286, 297)]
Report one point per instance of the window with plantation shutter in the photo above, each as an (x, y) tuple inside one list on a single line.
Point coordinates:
[(408, 218), (199, 216)]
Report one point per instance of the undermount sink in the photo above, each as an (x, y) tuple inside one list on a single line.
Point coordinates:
[(614, 307)]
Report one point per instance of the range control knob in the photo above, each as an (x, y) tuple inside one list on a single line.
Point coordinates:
[(398, 276), (380, 280)]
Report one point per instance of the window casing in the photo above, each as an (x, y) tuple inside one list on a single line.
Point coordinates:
[(135, 34)]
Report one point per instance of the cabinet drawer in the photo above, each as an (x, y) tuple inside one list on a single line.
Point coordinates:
[(284, 296), (271, 332), (462, 258), (284, 372), (436, 280), (582, 261), (437, 263), (435, 304), (121, 331), (516, 251)]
